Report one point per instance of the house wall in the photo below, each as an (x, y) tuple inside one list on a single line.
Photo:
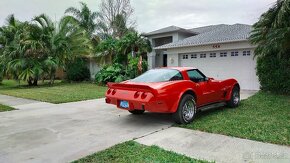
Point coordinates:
[(173, 59), (93, 67), (155, 58)]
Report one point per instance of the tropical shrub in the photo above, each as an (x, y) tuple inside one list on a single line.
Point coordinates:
[(133, 70), (118, 72), (274, 74), (77, 70), (111, 73), (1, 73), (271, 35)]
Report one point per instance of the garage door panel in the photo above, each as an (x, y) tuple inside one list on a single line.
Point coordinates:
[(239, 67)]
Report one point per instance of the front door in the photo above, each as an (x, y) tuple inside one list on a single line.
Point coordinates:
[(164, 60)]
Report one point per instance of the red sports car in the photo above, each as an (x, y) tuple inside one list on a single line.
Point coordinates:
[(179, 90)]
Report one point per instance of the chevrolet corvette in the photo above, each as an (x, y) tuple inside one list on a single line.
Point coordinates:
[(181, 91)]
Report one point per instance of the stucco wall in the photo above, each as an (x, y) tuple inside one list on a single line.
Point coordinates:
[(173, 53)]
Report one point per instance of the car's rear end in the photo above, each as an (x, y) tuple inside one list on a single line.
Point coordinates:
[(149, 91), (134, 97)]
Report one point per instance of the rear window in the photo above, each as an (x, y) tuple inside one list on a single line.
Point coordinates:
[(159, 75)]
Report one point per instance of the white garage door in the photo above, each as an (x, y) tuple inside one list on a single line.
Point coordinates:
[(238, 64)]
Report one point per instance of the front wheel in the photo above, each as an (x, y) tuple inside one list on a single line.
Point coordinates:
[(186, 110), (137, 111), (235, 98)]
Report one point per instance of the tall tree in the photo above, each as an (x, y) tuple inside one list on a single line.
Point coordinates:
[(271, 33), (62, 43), (32, 50), (85, 17), (118, 49), (115, 17), (18, 51)]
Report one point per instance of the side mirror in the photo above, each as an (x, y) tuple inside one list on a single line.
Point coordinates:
[(208, 79)]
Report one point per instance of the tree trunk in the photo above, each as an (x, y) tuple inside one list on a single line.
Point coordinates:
[(51, 77), (35, 80), (29, 81)]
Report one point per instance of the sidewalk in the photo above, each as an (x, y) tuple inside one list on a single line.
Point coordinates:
[(21, 103), (215, 147)]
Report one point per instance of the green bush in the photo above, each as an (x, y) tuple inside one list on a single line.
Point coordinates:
[(111, 73), (77, 71), (133, 67), (274, 74), (1, 73), (118, 72)]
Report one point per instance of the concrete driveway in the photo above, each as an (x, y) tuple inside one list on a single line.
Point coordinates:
[(66, 132), (44, 132)]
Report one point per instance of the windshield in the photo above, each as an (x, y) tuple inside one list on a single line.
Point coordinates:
[(159, 75)]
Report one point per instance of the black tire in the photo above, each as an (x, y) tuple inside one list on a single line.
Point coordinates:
[(235, 98), (179, 116), (137, 111)]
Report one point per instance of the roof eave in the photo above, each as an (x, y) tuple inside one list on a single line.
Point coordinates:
[(183, 31), (210, 43)]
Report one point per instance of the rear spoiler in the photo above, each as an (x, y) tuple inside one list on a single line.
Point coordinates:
[(132, 87)]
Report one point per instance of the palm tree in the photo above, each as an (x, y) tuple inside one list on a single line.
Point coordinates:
[(63, 43), (32, 50), (271, 33), (106, 51), (117, 50), (133, 43), (84, 16), (18, 51)]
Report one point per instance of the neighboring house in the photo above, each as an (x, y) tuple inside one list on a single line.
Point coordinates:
[(219, 51)]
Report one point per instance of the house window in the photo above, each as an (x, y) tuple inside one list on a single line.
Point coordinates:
[(193, 56), (185, 56), (223, 54), (212, 55), (234, 53), (203, 55), (246, 53)]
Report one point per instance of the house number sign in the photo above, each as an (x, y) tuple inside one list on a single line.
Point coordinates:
[(216, 46)]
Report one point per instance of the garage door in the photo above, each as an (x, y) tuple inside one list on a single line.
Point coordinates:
[(238, 64)]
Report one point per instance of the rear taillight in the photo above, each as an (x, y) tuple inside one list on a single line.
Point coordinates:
[(113, 92), (109, 91), (137, 94), (144, 95)]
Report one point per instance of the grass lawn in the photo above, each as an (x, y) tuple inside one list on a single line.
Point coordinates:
[(134, 152), (5, 108), (58, 93), (264, 117)]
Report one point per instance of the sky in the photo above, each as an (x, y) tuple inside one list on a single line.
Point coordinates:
[(151, 14)]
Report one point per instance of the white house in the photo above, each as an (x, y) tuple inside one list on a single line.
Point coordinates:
[(219, 51)]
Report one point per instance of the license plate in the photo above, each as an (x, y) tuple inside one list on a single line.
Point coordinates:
[(124, 104)]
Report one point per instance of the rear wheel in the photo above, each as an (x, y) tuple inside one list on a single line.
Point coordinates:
[(235, 98), (137, 111), (186, 110)]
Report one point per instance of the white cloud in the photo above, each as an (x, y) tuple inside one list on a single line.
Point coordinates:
[(154, 14)]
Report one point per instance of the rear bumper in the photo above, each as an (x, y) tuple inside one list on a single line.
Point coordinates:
[(152, 105)]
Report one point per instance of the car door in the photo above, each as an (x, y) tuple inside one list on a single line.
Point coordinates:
[(204, 86)]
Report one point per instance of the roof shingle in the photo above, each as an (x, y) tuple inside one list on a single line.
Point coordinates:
[(167, 30), (213, 34)]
